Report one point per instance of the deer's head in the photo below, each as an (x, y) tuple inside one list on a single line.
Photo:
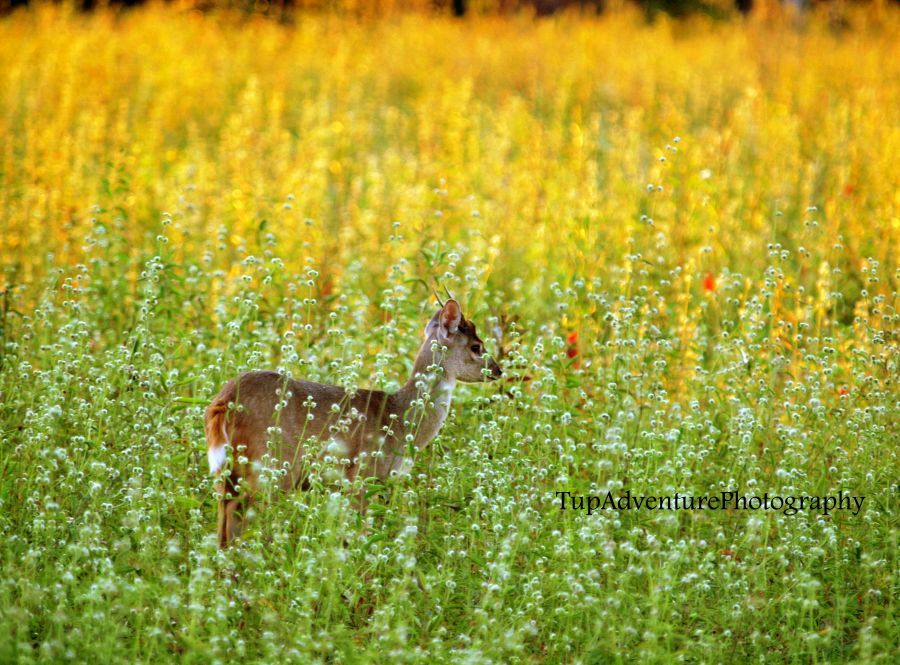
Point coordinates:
[(466, 359)]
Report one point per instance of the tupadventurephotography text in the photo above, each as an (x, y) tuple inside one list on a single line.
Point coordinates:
[(788, 505)]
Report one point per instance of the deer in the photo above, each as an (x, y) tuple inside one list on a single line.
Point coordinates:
[(369, 433)]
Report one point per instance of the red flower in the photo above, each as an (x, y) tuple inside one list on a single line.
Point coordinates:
[(843, 390), (709, 283), (572, 339), (849, 188)]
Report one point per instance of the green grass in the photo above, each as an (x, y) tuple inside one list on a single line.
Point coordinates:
[(107, 525)]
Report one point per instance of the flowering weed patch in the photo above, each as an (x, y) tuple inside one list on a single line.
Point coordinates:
[(683, 257)]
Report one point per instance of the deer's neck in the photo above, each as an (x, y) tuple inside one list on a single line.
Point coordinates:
[(423, 402)]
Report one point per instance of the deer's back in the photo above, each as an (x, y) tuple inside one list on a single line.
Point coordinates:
[(309, 410)]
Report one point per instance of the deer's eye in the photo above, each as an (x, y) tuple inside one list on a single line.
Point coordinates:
[(476, 348)]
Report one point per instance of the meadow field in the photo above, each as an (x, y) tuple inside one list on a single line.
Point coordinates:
[(679, 239)]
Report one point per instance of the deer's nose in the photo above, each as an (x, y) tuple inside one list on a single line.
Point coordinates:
[(496, 372)]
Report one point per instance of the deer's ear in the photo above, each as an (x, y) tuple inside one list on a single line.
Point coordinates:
[(450, 318), (433, 324)]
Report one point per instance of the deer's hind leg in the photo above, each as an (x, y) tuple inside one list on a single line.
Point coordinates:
[(235, 498)]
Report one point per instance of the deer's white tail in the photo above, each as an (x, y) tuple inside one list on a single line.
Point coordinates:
[(216, 434)]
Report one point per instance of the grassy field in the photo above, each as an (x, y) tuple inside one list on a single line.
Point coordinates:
[(687, 234)]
